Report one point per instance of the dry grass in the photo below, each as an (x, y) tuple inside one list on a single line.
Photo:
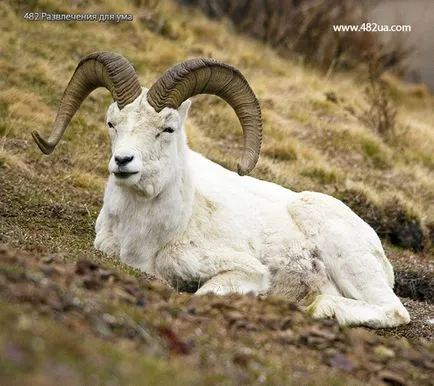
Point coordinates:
[(312, 141)]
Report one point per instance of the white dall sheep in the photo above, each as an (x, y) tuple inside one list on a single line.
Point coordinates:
[(175, 214)]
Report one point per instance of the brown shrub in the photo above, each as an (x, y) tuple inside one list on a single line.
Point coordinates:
[(414, 284), (380, 115), (391, 220), (430, 227)]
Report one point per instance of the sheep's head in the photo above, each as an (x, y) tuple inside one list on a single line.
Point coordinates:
[(146, 126), (147, 147)]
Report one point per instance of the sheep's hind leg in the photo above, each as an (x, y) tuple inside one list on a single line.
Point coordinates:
[(350, 312), (367, 297)]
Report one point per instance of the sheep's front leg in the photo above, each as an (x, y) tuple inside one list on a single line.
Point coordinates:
[(222, 271), (236, 282), (105, 240)]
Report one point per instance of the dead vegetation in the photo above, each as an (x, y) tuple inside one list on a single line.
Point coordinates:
[(380, 116), (391, 219)]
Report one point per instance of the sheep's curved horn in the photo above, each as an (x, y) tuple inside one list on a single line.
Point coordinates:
[(207, 76), (100, 69)]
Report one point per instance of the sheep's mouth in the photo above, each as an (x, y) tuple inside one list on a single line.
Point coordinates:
[(124, 174)]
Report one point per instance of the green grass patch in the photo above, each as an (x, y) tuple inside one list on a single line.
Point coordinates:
[(375, 154), (321, 175)]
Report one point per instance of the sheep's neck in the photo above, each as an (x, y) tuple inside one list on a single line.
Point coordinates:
[(159, 221)]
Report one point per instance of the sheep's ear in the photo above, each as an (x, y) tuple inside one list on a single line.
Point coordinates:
[(183, 110)]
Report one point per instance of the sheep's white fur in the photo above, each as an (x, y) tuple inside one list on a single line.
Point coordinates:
[(192, 222)]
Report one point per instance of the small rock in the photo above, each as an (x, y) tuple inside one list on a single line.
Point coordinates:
[(13, 353), (251, 327), (285, 337), (270, 322), (92, 283), (24, 322), (241, 359), (124, 295), (101, 328), (176, 345), (233, 316), (391, 378), (105, 274), (47, 271), (286, 323), (239, 324), (47, 259), (63, 373), (110, 319), (330, 352), (293, 307), (340, 361), (322, 333), (141, 301), (52, 299), (383, 353), (132, 290), (83, 266)]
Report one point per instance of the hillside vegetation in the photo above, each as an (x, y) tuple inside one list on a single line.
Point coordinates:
[(320, 133)]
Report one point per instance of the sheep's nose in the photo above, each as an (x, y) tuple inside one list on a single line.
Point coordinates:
[(122, 161)]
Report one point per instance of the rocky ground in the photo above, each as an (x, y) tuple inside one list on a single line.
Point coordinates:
[(85, 322)]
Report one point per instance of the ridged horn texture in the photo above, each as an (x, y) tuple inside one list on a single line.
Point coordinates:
[(99, 69), (207, 76)]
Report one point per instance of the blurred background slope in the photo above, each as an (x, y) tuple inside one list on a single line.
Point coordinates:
[(302, 29)]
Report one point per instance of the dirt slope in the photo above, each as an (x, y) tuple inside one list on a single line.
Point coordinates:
[(131, 321)]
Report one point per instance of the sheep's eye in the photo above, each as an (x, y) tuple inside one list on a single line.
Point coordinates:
[(110, 125), (165, 130)]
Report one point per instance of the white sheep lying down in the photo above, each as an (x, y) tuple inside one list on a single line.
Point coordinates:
[(175, 214)]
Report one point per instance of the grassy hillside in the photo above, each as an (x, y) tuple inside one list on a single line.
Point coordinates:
[(48, 205)]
